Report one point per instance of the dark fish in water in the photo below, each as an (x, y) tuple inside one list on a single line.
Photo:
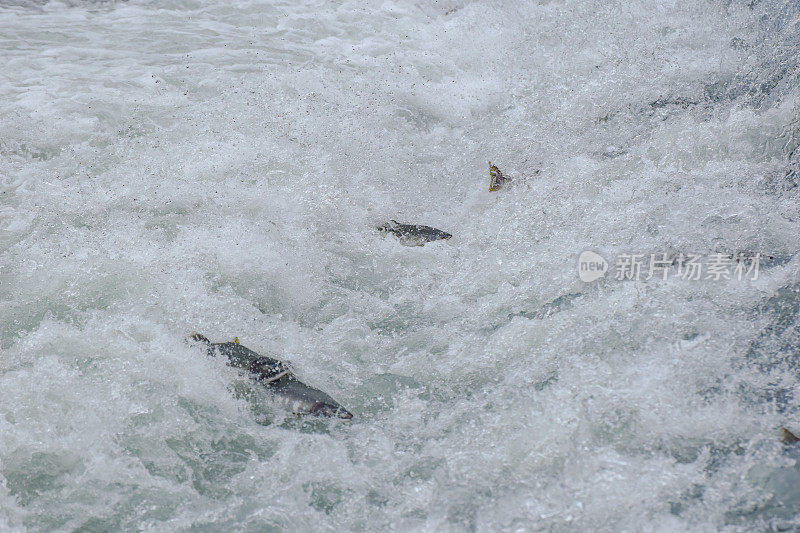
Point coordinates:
[(276, 376), (412, 234)]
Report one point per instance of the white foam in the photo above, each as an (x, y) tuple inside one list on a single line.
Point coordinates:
[(221, 167)]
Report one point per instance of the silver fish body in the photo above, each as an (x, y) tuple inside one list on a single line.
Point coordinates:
[(413, 234), (276, 376), (301, 399)]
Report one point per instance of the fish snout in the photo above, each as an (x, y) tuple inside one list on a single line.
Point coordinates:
[(330, 410)]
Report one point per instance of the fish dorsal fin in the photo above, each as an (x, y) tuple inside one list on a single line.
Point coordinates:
[(388, 226), (199, 337), (787, 437), (235, 340), (496, 179)]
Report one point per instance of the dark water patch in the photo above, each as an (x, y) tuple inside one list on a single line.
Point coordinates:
[(209, 459), (382, 392), (686, 499), (769, 68), (260, 400), (324, 496), (310, 424), (213, 462), (28, 152), (545, 310), (775, 351), (679, 102), (790, 179), (406, 317), (778, 344), (550, 308), (776, 505), (29, 476)]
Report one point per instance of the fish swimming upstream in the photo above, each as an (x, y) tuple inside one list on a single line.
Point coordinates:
[(276, 376), (412, 234)]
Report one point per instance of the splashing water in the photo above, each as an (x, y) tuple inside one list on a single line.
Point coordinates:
[(221, 167)]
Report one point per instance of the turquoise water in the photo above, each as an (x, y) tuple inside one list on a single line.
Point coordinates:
[(168, 167)]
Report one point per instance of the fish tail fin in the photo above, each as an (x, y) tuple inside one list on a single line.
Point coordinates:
[(787, 437)]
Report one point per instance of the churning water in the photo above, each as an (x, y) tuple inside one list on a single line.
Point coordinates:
[(221, 167)]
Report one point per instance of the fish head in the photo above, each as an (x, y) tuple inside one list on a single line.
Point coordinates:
[(330, 410)]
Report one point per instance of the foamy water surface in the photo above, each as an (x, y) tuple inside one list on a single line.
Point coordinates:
[(221, 167)]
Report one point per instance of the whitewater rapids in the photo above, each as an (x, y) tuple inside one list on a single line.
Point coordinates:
[(181, 165)]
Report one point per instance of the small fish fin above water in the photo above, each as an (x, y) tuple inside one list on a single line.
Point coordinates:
[(787, 437), (388, 226), (496, 178), (199, 337)]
